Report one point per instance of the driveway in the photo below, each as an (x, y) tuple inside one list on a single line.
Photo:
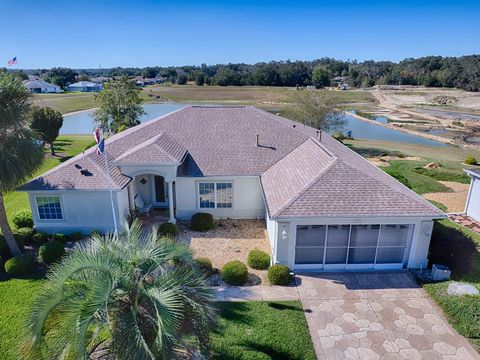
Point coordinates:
[(377, 316)]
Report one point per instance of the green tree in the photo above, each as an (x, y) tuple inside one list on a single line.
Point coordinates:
[(61, 76), (317, 108), (320, 77), (199, 79), (47, 123), (20, 75), (134, 295), (119, 105), (182, 79), (20, 152), (149, 72)]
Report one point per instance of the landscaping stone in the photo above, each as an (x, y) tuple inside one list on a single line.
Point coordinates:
[(458, 288)]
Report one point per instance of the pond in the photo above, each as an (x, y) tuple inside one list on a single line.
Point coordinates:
[(82, 123)]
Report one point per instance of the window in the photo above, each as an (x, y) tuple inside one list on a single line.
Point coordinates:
[(310, 244), (215, 195), (49, 208)]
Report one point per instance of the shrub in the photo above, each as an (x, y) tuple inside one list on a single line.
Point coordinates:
[(202, 222), (279, 275), (235, 273), (76, 236), (40, 238), (20, 265), (204, 265), (23, 235), (23, 219), (59, 237), (398, 176), (470, 160), (51, 252), (258, 259), (168, 229)]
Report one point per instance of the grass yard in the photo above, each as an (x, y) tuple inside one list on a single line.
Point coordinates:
[(463, 312), (262, 330), (66, 147)]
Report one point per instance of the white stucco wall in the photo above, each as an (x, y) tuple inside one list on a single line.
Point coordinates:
[(473, 202), (83, 211), (417, 248), (248, 200)]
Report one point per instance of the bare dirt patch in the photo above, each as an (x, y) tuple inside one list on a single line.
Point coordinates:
[(455, 199), (230, 240), (382, 161)]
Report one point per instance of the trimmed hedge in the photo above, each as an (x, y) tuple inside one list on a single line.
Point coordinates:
[(51, 252), (20, 265), (204, 265), (168, 229), (202, 222), (23, 235), (235, 273), (23, 219), (40, 238), (59, 237), (258, 259), (279, 275)]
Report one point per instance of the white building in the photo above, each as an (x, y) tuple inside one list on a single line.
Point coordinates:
[(472, 207), (325, 207), (40, 86), (85, 86)]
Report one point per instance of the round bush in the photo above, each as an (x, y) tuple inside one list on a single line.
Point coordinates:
[(235, 273), (40, 238), (258, 259), (470, 160), (51, 252), (20, 265), (59, 237), (168, 229), (202, 222), (23, 219), (23, 235), (279, 275), (204, 265)]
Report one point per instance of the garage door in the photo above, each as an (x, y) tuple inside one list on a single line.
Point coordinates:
[(337, 247)]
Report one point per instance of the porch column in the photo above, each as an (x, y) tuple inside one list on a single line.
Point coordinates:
[(170, 203)]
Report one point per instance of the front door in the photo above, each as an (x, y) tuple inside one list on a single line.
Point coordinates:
[(160, 195)]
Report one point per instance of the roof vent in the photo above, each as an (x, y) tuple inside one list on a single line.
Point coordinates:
[(257, 141), (86, 172), (78, 166), (319, 134), (294, 125)]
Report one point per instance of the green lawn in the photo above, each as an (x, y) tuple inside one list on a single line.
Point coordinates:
[(462, 312), (262, 330), (66, 147), (16, 296)]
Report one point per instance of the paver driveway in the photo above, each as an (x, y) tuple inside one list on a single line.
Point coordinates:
[(376, 316)]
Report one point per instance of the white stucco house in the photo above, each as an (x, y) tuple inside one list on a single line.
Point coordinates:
[(40, 86), (325, 207), (85, 86), (472, 206)]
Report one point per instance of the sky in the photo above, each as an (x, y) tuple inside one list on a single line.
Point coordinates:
[(109, 33)]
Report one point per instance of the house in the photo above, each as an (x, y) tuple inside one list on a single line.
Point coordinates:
[(472, 206), (325, 206), (40, 86), (141, 81), (85, 86)]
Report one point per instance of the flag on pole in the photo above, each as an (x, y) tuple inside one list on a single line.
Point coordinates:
[(12, 62), (100, 142)]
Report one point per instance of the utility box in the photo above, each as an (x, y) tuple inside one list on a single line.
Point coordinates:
[(440, 272)]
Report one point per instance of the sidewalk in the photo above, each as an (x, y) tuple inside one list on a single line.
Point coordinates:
[(259, 293)]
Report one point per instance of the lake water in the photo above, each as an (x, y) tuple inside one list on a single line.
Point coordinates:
[(82, 123)]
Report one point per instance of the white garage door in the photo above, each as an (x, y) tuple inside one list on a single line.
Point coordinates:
[(337, 247)]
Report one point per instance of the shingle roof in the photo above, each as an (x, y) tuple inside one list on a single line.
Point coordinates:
[(33, 84), (300, 175)]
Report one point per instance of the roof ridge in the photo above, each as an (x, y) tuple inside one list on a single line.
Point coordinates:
[(139, 146), (306, 186)]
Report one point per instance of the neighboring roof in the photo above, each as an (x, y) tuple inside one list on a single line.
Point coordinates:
[(301, 175), (473, 172), (35, 84), (84, 83)]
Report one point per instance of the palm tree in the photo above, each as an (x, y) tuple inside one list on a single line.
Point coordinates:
[(21, 154), (133, 296)]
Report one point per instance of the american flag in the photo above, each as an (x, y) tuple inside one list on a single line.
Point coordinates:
[(100, 142), (13, 61)]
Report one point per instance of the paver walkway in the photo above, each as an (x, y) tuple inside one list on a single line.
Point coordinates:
[(466, 221), (366, 316)]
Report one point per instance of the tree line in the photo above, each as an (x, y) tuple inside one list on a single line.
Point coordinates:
[(431, 71)]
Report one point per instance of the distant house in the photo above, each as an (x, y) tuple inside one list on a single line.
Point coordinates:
[(40, 86), (85, 86), (101, 79), (472, 207)]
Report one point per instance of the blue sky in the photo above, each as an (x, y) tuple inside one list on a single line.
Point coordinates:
[(87, 34)]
